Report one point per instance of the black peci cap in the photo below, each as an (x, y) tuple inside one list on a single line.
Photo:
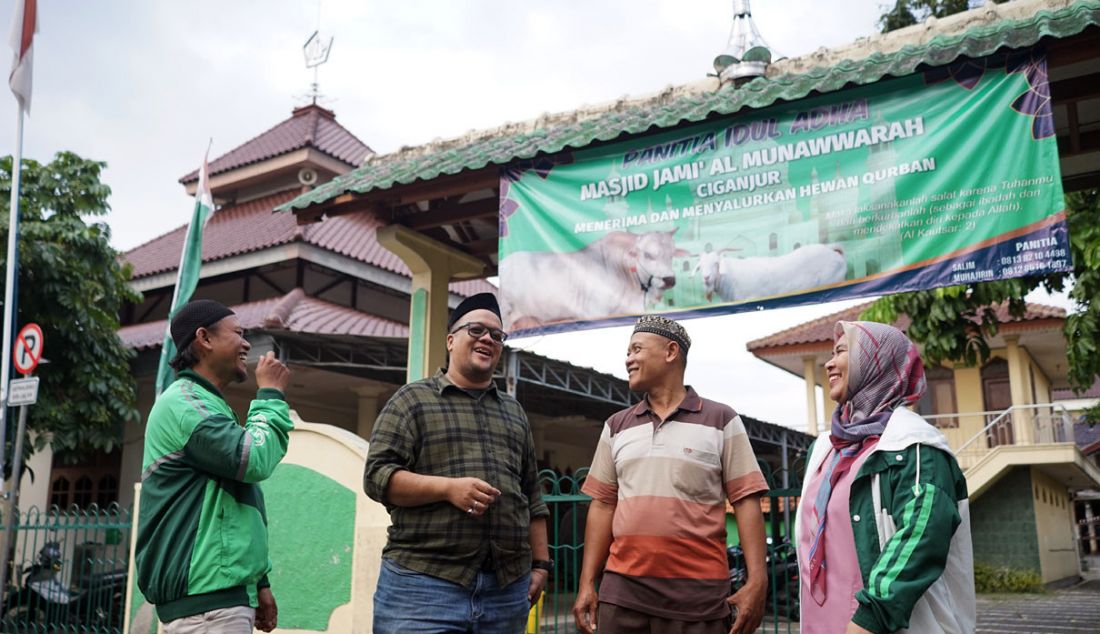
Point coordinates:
[(200, 313), (481, 301)]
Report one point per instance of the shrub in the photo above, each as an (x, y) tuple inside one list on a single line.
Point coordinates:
[(989, 579)]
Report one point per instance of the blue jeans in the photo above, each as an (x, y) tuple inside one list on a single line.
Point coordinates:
[(408, 602)]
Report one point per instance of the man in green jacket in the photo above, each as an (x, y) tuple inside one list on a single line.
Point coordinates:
[(202, 555)]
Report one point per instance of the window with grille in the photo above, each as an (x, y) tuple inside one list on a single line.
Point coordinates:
[(93, 479)]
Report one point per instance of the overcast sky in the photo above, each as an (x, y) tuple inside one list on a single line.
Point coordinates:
[(145, 85)]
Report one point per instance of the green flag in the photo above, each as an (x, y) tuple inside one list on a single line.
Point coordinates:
[(188, 276)]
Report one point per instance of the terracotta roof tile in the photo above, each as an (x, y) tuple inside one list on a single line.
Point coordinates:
[(231, 230), (472, 287), (820, 330), (1087, 437), (816, 331), (293, 312), (252, 226), (356, 238), (1065, 394), (308, 126)]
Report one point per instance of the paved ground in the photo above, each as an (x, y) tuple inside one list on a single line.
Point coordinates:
[(1071, 611)]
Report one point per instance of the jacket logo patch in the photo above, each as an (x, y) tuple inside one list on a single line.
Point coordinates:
[(259, 429)]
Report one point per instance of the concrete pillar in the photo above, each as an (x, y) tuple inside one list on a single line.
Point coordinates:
[(511, 371), (34, 490), (809, 372), (1023, 429), (538, 435), (433, 265), (368, 407), (830, 404), (1090, 527)]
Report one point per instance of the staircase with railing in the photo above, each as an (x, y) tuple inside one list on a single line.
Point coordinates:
[(1041, 435), (1019, 425)]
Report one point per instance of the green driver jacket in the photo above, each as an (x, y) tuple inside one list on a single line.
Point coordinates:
[(910, 516), (202, 527)]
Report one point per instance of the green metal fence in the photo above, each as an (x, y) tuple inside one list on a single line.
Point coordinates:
[(780, 504), (568, 510), (68, 571)]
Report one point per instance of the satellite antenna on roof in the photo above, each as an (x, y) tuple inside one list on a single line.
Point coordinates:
[(316, 51)]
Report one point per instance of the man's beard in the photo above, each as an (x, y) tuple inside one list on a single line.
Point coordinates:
[(475, 373)]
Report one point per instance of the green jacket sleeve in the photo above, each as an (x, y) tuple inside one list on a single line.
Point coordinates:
[(921, 496), (219, 446)]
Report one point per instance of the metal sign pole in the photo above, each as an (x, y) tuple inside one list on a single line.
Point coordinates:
[(10, 297), (24, 393)]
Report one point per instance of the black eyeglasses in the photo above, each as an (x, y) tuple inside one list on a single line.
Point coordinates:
[(477, 331)]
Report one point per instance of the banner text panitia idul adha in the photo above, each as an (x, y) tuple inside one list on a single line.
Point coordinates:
[(928, 180)]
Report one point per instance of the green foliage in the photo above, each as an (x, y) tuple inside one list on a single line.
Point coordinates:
[(988, 579), (72, 284), (899, 17), (952, 323), (1083, 324), (909, 12)]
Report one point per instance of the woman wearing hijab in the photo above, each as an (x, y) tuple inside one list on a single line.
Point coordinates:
[(883, 529)]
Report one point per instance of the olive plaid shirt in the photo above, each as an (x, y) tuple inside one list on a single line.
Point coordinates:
[(432, 427)]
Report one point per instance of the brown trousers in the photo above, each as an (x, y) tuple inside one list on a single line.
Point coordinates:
[(614, 619)]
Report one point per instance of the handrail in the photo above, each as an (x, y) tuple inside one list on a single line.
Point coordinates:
[(1052, 406), (981, 433), (959, 414)]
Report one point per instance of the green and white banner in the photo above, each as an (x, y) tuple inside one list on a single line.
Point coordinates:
[(943, 177)]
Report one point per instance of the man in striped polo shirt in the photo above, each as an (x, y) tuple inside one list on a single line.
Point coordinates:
[(656, 531)]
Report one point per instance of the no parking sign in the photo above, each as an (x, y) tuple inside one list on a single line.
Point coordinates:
[(27, 351)]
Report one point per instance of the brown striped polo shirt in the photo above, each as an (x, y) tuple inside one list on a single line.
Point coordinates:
[(669, 483)]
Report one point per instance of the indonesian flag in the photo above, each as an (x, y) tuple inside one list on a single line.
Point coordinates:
[(23, 27)]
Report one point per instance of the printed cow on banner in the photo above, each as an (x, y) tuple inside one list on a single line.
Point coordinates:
[(739, 279), (620, 274)]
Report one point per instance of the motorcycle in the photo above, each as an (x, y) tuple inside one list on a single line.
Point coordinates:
[(95, 602), (781, 562)]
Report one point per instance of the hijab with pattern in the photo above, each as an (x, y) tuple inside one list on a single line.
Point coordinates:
[(885, 372)]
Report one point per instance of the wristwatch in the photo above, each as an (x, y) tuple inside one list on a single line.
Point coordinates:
[(543, 564)]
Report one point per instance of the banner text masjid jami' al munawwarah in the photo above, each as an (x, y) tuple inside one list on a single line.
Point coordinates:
[(929, 180)]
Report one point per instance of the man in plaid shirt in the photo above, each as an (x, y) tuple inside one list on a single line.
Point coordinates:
[(453, 460)]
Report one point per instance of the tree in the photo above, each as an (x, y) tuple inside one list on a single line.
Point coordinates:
[(72, 284), (951, 323), (909, 12)]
